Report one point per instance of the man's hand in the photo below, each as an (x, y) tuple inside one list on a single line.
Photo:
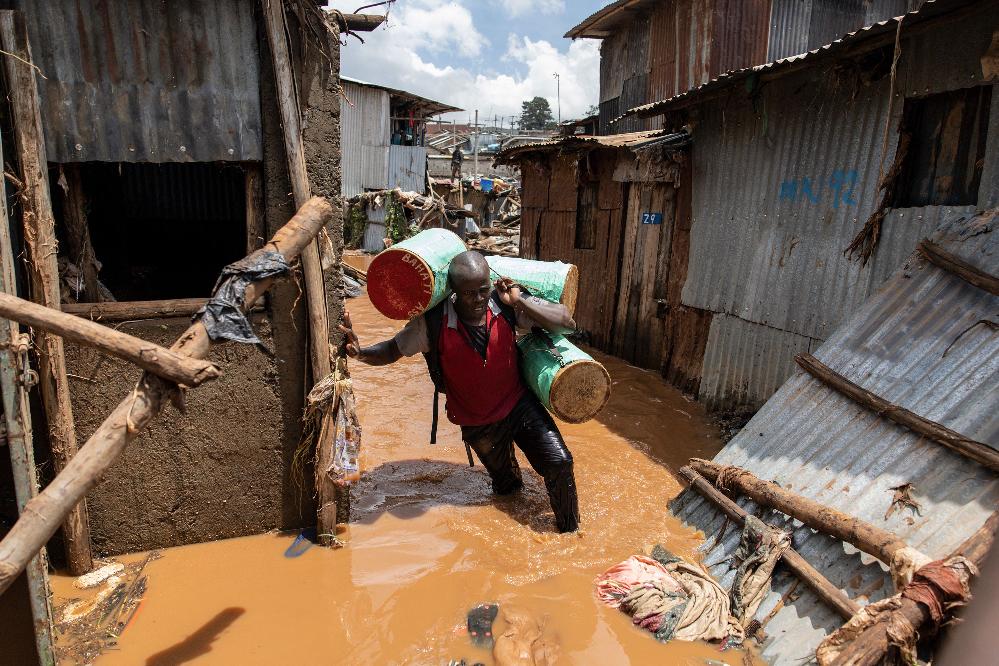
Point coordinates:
[(509, 291), (351, 344)]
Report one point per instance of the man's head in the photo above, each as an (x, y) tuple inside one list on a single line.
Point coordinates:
[(468, 276)]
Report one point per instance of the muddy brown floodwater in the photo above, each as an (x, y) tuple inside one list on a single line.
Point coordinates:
[(428, 541)]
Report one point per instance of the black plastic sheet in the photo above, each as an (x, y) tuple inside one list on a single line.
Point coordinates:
[(223, 314)]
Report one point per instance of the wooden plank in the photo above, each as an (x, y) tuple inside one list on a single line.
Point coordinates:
[(43, 514), (17, 418), (951, 263), (981, 453), (135, 310), (629, 222), (81, 250), (40, 239)]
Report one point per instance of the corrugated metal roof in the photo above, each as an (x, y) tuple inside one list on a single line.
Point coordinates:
[(876, 33), (582, 141), (147, 81), (813, 441), (600, 23), (430, 107)]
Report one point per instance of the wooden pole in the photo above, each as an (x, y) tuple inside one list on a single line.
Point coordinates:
[(151, 357), (969, 448), (312, 270), (821, 585), (43, 514), (868, 538), (872, 645), (361, 22), (17, 418), (39, 236), (951, 263), (134, 310), (254, 207), (81, 250)]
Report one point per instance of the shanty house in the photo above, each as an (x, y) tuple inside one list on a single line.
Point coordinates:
[(384, 144), (166, 162), (783, 173), (651, 50)]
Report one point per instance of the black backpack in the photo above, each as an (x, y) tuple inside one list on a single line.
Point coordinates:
[(435, 320)]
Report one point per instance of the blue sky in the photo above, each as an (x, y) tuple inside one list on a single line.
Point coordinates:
[(477, 54)]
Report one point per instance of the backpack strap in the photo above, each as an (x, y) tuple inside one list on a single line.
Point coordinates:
[(550, 344), (435, 319)]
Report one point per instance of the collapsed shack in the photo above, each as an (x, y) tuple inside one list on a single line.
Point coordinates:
[(169, 168), (922, 469), (782, 175), (403, 214)]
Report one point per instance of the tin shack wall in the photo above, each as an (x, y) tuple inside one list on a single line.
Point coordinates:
[(147, 81), (364, 127), (784, 178)]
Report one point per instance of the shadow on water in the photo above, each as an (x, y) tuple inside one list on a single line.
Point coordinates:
[(409, 488), (199, 643)]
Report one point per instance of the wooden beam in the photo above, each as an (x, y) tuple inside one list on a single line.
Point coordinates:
[(151, 357), (821, 585), (875, 541), (80, 248), (18, 438), (312, 270), (133, 310), (43, 514), (871, 646), (361, 22), (951, 263), (40, 239), (981, 453), (254, 207)]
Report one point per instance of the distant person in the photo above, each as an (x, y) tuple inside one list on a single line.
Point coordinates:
[(470, 344), (456, 159)]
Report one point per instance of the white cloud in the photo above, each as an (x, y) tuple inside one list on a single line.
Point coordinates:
[(522, 7), (429, 47)]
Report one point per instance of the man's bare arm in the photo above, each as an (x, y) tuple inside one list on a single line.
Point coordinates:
[(553, 317), (380, 353)]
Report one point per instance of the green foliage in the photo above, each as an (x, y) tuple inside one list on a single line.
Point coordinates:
[(396, 224), (353, 227), (536, 114)]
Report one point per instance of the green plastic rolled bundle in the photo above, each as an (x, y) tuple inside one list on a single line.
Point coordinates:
[(569, 383), (551, 280)]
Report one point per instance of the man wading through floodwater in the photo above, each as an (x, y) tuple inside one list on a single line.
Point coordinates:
[(470, 344)]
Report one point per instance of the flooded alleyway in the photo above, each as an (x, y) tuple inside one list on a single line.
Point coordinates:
[(428, 541)]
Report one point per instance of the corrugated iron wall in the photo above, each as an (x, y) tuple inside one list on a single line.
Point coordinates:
[(782, 183), (407, 168), (798, 26), (364, 138), (147, 81)]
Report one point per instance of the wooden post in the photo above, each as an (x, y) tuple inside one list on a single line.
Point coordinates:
[(875, 541), (130, 310), (254, 207), (312, 270), (17, 418), (39, 236), (43, 514), (967, 447), (81, 250), (148, 356), (821, 585)]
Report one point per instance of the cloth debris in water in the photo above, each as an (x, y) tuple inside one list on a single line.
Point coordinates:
[(760, 548), (672, 598), (940, 586), (223, 314)]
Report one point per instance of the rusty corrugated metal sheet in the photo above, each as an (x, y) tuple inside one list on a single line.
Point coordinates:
[(813, 441), (739, 38), (146, 80)]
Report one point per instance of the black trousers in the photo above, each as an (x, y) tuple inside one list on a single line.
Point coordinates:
[(532, 428)]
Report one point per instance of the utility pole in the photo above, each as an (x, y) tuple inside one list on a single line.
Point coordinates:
[(558, 96), (475, 152)]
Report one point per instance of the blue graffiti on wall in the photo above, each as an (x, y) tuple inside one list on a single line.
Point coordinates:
[(840, 186)]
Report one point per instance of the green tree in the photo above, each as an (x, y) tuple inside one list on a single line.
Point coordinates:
[(594, 110), (536, 114)]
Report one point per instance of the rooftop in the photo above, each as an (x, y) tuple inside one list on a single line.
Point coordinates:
[(424, 105)]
